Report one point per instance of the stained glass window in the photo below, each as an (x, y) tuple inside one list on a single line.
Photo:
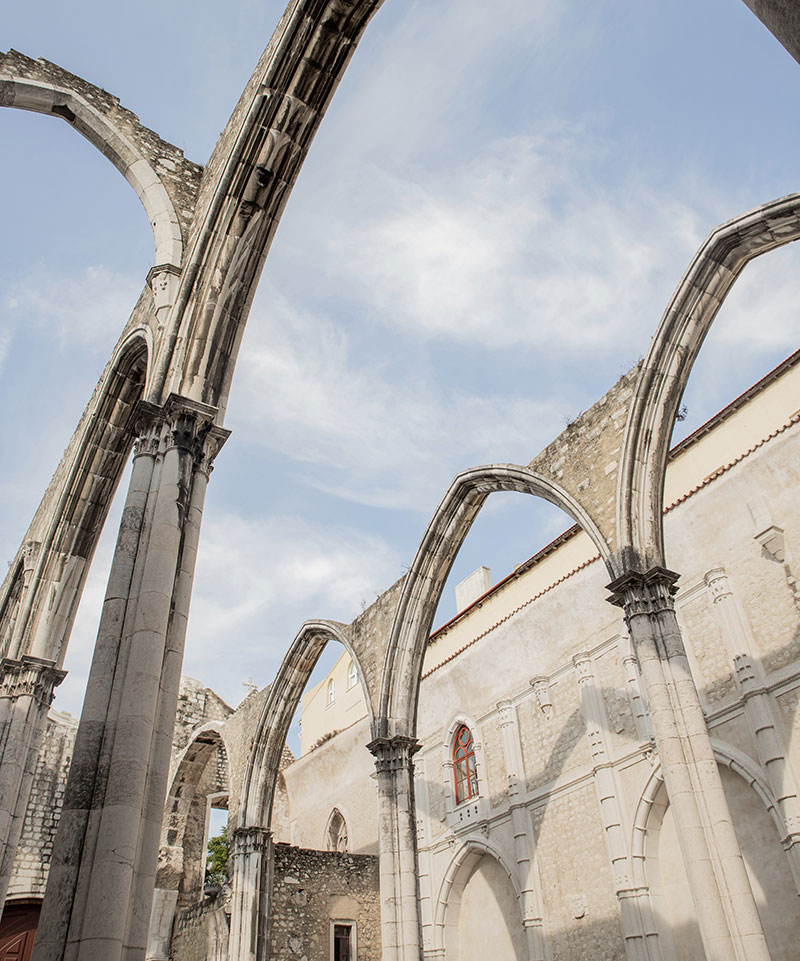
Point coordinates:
[(464, 771)]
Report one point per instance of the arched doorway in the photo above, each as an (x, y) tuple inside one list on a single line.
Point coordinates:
[(17, 931)]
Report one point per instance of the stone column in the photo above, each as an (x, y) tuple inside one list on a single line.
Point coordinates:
[(252, 885), (26, 692), (759, 711), (636, 915), (726, 910), (527, 875), (400, 920), (100, 889)]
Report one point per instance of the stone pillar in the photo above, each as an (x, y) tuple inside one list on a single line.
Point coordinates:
[(636, 915), (400, 919), (26, 692), (99, 893), (630, 666), (759, 711), (527, 875), (726, 910), (252, 885)]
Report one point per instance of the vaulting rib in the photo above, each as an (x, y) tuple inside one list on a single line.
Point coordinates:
[(245, 188)]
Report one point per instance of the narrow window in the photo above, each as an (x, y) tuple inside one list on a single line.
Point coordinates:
[(342, 942), (337, 832), (464, 771), (352, 676), (331, 692)]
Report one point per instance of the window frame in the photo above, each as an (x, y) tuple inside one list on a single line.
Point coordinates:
[(466, 786), (344, 922)]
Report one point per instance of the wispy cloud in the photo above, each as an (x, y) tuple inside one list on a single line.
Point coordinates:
[(89, 309)]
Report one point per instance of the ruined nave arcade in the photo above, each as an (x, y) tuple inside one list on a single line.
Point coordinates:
[(163, 395)]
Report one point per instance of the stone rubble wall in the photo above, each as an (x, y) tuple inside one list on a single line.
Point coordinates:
[(312, 888)]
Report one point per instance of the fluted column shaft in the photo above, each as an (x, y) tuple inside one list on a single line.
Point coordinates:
[(726, 911), (100, 889), (400, 918)]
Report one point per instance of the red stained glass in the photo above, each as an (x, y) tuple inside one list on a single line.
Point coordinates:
[(464, 771)]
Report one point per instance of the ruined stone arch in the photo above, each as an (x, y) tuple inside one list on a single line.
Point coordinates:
[(425, 580), (62, 538), (41, 96), (464, 863), (666, 369), (185, 810), (279, 709)]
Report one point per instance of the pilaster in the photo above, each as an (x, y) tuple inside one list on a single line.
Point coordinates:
[(724, 902)]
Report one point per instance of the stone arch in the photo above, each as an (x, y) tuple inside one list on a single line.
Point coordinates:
[(463, 865), (649, 818), (666, 369), (336, 832), (61, 541), (40, 96), (279, 709), (185, 809), (425, 580)]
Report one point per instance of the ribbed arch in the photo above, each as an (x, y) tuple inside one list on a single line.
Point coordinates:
[(425, 580), (69, 522), (54, 101), (279, 708), (666, 370)]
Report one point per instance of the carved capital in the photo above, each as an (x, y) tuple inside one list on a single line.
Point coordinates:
[(163, 282), (189, 426), (181, 424), (646, 594), (30, 554), (717, 583), (394, 754), (250, 840), (541, 688), (30, 676), (506, 711), (583, 668)]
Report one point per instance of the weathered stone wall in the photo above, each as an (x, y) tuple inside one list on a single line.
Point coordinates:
[(311, 888), (200, 932), (181, 177), (47, 797)]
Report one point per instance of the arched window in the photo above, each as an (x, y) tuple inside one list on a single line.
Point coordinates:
[(464, 771), (352, 675), (331, 692), (337, 832)]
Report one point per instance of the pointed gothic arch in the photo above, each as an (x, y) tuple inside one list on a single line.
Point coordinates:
[(666, 369), (426, 578)]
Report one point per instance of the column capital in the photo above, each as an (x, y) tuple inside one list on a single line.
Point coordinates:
[(648, 593), (32, 676), (251, 839), (163, 283), (182, 424), (393, 753)]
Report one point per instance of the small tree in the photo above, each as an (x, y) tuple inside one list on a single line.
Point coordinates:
[(217, 861)]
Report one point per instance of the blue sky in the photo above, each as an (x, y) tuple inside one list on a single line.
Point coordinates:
[(490, 223)]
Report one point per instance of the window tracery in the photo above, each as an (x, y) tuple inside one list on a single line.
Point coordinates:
[(465, 774)]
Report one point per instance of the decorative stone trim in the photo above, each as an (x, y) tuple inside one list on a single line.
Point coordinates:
[(250, 840), (646, 594), (181, 424), (393, 754), (30, 676)]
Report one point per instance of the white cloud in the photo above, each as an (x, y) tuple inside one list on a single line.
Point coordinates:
[(382, 434), (89, 309), (258, 580), (519, 247)]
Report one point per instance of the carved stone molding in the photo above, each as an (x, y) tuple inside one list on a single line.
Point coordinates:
[(182, 424), (252, 839), (30, 676), (541, 688), (394, 754), (163, 282), (646, 594)]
